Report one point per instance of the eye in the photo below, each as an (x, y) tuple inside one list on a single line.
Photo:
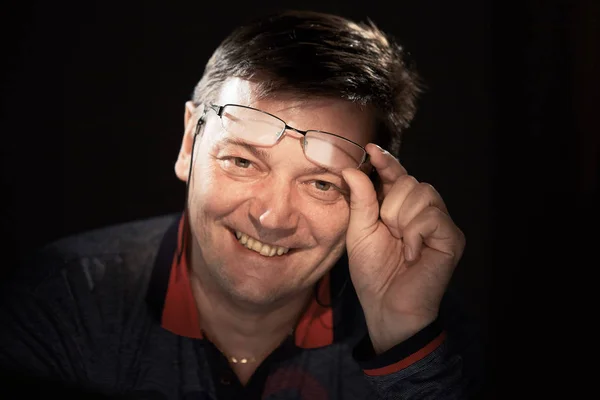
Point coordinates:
[(323, 185), (241, 162), (325, 191), (238, 165)]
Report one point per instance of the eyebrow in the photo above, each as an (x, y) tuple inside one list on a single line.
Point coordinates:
[(255, 151), (266, 156), (317, 170)]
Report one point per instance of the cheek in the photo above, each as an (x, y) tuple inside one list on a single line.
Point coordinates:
[(212, 193), (329, 223)]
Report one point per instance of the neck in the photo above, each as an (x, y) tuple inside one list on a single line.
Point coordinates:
[(242, 329), (226, 316)]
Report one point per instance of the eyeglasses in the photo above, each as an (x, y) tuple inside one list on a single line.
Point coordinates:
[(260, 128)]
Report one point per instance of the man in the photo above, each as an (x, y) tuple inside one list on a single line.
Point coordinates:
[(307, 262)]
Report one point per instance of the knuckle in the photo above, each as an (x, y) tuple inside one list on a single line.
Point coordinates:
[(405, 183), (409, 179), (431, 196), (387, 214), (429, 192), (434, 212), (428, 188)]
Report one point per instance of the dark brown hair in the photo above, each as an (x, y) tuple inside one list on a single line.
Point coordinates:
[(324, 55)]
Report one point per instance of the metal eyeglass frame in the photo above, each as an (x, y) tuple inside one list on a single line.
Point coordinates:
[(219, 111)]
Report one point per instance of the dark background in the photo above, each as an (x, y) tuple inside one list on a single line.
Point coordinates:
[(92, 116)]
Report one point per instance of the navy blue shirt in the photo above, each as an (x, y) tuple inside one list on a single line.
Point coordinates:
[(109, 314)]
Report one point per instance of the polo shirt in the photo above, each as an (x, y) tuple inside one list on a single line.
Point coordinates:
[(111, 313)]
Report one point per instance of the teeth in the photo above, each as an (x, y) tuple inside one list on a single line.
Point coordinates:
[(259, 247)]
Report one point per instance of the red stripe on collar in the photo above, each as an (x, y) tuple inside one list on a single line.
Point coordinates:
[(315, 328), (180, 314)]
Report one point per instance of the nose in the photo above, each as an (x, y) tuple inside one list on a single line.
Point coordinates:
[(273, 210)]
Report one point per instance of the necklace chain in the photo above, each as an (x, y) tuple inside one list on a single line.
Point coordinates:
[(243, 360)]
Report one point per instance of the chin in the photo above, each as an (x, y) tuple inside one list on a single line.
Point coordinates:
[(251, 291)]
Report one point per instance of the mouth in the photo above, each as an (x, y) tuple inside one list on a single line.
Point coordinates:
[(264, 249)]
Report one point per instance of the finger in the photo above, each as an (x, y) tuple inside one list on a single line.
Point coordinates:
[(392, 203), (436, 230), (422, 196), (364, 207), (387, 166)]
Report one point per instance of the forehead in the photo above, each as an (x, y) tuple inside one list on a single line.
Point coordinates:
[(337, 116)]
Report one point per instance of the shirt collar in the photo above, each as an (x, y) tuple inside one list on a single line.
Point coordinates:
[(170, 296)]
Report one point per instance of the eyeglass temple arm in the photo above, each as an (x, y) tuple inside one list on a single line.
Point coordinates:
[(217, 108)]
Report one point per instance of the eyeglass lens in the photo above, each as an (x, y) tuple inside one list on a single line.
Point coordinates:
[(261, 129)]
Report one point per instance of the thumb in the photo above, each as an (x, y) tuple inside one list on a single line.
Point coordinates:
[(364, 207)]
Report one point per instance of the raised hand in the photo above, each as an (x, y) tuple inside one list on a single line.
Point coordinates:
[(403, 248)]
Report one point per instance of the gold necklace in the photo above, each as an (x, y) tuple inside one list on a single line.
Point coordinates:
[(243, 360)]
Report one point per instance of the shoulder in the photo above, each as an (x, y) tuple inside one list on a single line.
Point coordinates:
[(130, 247), (71, 303), (113, 239)]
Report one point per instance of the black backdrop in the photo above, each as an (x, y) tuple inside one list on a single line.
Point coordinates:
[(92, 115)]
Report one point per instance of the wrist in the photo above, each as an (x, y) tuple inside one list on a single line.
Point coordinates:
[(384, 336)]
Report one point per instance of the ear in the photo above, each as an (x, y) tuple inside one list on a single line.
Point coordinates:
[(190, 121)]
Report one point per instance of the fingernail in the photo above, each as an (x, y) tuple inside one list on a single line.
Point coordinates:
[(381, 149)]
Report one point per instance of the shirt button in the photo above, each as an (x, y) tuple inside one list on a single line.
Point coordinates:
[(225, 380)]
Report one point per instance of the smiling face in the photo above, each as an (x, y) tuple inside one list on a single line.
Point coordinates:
[(267, 222)]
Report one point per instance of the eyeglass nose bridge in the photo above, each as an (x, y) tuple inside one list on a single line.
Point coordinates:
[(291, 128)]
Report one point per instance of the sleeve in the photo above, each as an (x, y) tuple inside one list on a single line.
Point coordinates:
[(49, 329), (442, 361)]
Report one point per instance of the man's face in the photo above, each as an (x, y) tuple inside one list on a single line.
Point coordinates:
[(276, 197)]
